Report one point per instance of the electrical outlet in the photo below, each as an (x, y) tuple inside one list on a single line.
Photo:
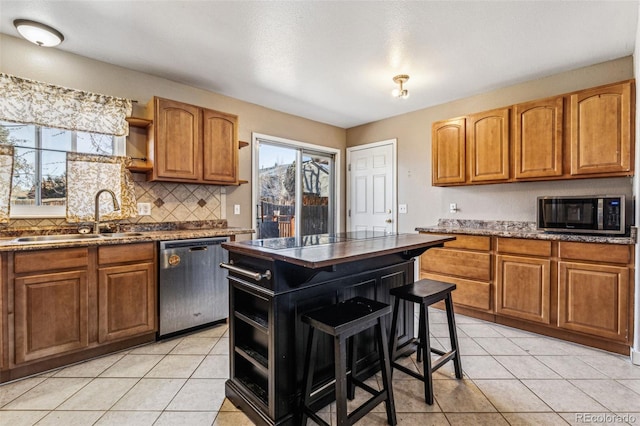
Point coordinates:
[(236, 209), (144, 209), (402, 208), (453, 207)]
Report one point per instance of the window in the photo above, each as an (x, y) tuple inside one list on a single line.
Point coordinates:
[(294, 188), (39, 169)]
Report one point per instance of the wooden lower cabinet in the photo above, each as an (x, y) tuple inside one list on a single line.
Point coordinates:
[(126, 291), (51, 314), (71, 304), (582, 292), (594, 299), (126, 301), (465, 262), (523, 287)]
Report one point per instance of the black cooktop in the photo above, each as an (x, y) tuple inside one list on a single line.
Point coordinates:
[(313, 240)]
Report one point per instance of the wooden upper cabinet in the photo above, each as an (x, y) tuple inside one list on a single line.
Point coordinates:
[(601, 130), (178, 140), (220, 147), (448, 151), (538, 139), (488, 145), (192, 144)]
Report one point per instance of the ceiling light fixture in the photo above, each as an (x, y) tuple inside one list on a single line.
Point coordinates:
[(400, 92), (37, 33)]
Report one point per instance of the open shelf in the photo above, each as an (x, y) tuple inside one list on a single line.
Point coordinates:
[(143, 123)]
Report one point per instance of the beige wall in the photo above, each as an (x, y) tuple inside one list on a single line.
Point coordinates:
[(23, 59), (515, 201)]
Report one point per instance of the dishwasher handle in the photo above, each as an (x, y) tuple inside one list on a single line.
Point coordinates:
[(257, 276)]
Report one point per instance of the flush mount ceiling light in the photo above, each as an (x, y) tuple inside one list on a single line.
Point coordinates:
[(400, 92), (37, 33)]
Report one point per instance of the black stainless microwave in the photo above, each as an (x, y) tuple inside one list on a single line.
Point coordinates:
[(599, 214)]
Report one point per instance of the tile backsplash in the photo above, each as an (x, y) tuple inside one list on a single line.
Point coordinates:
[(170, 202)]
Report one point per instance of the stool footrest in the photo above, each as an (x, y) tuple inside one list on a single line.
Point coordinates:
[(407, 371), (315, 417), (362, 410), (442, 360)]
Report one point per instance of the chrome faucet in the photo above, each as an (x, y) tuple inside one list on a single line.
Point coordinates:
[(116, 206)]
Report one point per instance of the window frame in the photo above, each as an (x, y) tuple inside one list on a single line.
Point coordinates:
[(18, 211)]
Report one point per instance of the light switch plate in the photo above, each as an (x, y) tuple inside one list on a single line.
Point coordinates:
[(236, 209), (402, 208), (144, 209)]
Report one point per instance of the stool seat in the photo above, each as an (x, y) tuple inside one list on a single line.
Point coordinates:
[(425, 293), (344, 321), (348, 317)]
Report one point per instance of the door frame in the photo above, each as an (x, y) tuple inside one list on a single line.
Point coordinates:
[(394, 176), (255, 137)]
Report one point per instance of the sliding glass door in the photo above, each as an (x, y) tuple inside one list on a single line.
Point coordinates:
[(294, 189)]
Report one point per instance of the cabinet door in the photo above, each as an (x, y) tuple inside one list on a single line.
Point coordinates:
[(601, 130), (488, 145), (51, 314), (126, 301), (178, 140), (538, 138), (594, 299), (448, 151), (220, 147), (523, 287)]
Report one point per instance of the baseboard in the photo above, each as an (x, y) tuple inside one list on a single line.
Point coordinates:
[(635, 357)]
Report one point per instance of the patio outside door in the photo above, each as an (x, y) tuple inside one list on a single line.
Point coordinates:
[(294, 190)]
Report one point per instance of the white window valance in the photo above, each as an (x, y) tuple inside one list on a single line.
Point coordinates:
[(86, 175), (43, 104)]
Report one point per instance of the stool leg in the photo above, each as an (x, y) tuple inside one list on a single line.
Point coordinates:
[(453, 336), (309, 366), (340, 354), (420, 333), (426, 352), (385, 368), (351, 387), (393, 344)]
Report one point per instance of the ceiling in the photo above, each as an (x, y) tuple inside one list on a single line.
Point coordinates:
[(333, 61)]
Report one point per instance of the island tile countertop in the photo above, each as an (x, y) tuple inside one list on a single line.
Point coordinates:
[(322, 250), (142, 233), (513, 229)]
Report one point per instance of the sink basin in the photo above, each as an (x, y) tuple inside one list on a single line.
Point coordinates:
[(50, 238), (122, 234)]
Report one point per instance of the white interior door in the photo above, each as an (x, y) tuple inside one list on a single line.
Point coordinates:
[(371, 196)]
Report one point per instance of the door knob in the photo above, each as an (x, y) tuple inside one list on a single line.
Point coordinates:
[(388, 221)]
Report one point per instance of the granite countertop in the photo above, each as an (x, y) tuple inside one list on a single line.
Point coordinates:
[(152, 232), (513, 229)]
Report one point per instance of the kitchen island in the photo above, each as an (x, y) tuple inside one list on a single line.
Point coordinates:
[(274, 281)]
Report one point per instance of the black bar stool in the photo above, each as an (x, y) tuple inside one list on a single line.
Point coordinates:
[(343, 321), (425, 293)]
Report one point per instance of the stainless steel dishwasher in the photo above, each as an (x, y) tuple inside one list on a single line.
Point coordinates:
[(193, 290)]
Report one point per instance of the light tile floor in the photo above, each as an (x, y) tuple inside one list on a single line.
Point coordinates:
[(510, 377)]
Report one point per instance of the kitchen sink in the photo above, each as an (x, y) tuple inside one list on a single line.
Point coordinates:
[(51, 238), (122, 234), (73, 237)]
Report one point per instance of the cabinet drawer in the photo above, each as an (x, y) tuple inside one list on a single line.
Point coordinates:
[(603, 253), (125, 253), (460, 263), (524, 246), (469, 293), (47, 260), (469, 242)]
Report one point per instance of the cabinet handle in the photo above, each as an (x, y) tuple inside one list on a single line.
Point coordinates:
[(257, 276)]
